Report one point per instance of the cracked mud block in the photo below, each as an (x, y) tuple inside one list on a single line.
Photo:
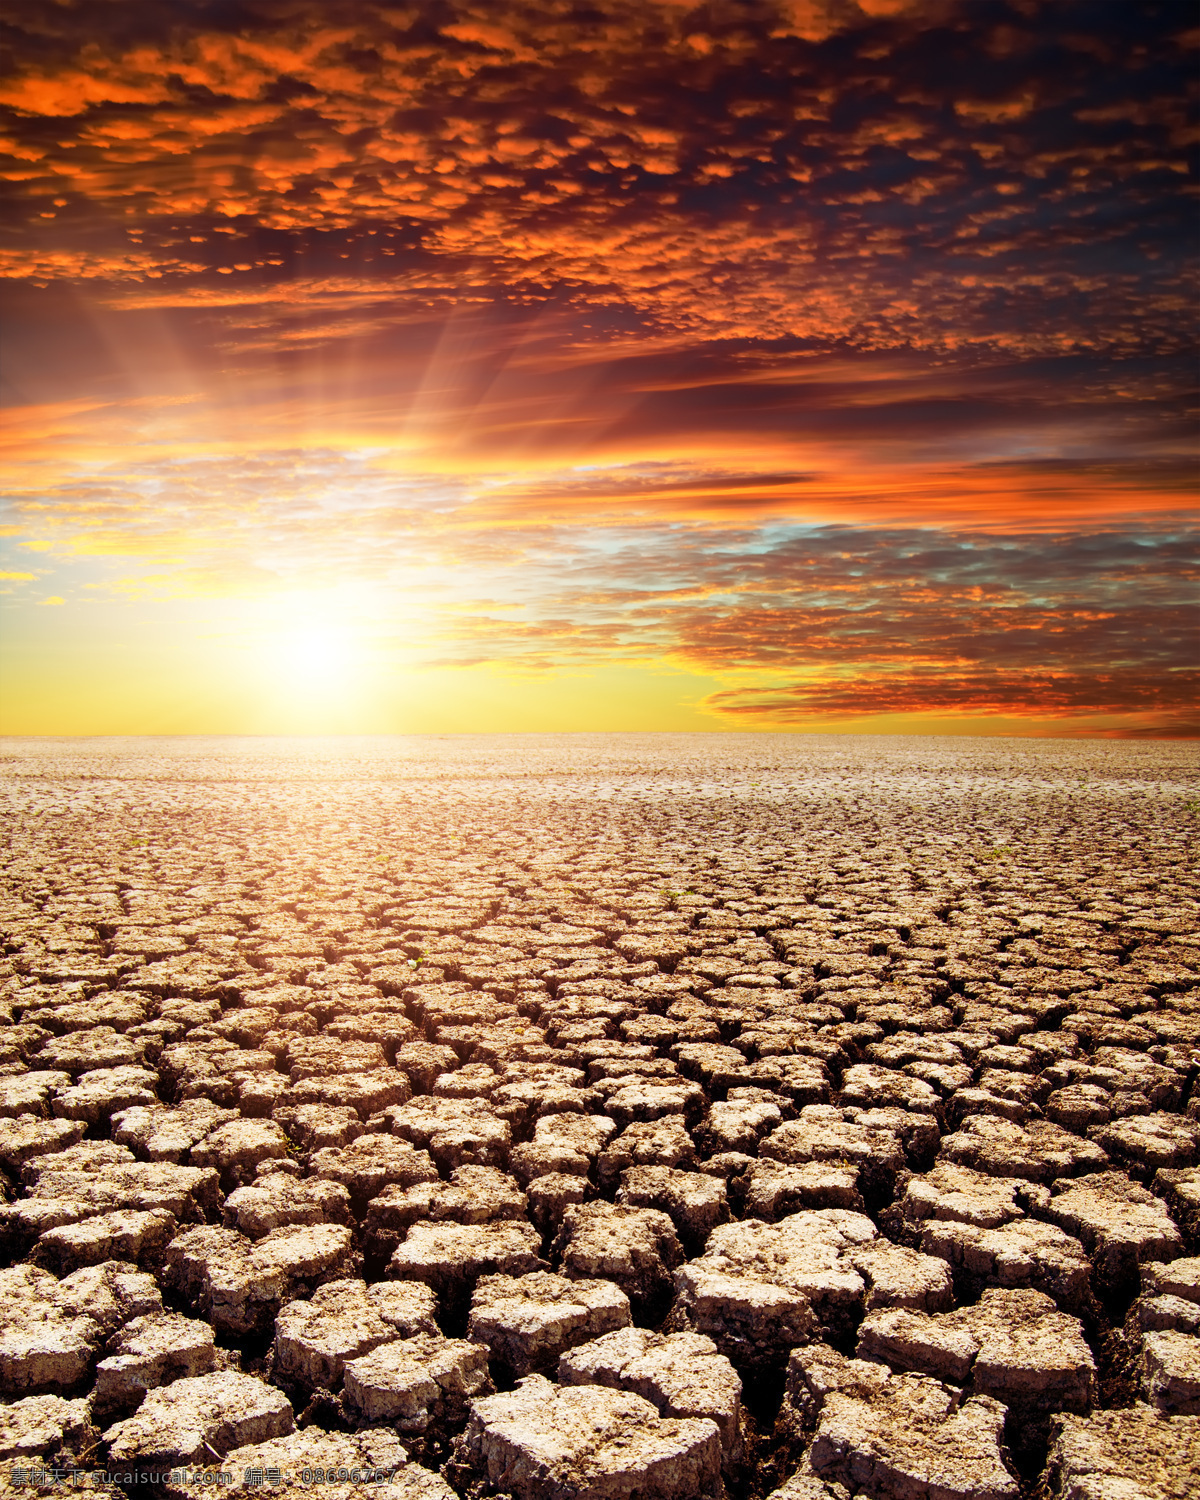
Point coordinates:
[(695, 1203), (317, 1127), (1133, 1082), (390, 1028), (805, 1485), (89, 1158), (761, 1289), (1158, 1313), (1144, 1143), (652, 1099), (416, 1383), (371, 1163), (798, 1079), (325, 1056), (551, 1195), (99, 1093), (908, 1051), (199, 1419), (425, 1062), (542, 1442), (612, 1059), (1013, 1345), (455, 1132), (962, 1195), (584, 1135), (450, 1258), (772, 1190), (872, 1087), (982, 1103), (716, 1067), (1180, 1189), (151, 1351), (98, 1177), (471, 1081), (187, 1258), (27, 1137), (110, 1295), (648, 1143), (1080, 1106), (1119, 1223), (898, 1276), (126, 1235), (526, 1322), (917, 1131), (1179, 1278), (22, 1039), (51, 1331), (652, 1031), (681, 1374), (1170, 1371), (368, 1094), (276, 1200), (524, 1101), (375, 1454), (343, 1320), (896, 1437), (215, 1069), (822, 1133), (236, 1149), (117, 1009), (239, 1285), (740, 1122), (160, 1132), (1023, 1253), (31, 1093), (45, 1426), (474, 1195), (1024, 1090), (1038, 1152), (635, 1247), (1134, 1454), (97, 1047)]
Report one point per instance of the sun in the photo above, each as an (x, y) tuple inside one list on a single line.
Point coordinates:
[(317, 652), (310, 655)]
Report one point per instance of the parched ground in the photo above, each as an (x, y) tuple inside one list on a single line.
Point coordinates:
[(602, 1116)]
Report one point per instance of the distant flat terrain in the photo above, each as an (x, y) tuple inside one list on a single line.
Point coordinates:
[(631, 1115)]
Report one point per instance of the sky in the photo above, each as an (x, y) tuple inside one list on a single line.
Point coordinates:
[(478, 365)]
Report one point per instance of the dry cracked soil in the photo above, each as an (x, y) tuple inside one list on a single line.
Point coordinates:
[(621, 1117)]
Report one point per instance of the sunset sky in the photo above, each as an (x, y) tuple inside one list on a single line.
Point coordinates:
[(755, 365)]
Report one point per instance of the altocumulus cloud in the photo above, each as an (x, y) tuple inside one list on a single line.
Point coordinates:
[(845, 344)]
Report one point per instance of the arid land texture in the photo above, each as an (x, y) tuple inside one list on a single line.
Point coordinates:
[(606, 1116)]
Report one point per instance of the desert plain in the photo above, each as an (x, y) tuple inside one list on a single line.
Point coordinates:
[(631, 1117)]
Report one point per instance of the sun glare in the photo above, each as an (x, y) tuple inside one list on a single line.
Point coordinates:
[(318, 653), (309, 655)]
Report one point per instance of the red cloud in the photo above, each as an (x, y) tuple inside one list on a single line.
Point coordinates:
[(595, 306), (888, 174), (1161, 704)]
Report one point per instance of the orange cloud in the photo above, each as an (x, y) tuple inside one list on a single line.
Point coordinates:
[(706, 176), (840, 350), (1160, 704)]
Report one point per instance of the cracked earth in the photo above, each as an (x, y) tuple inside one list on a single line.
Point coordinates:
[(622, 1117)]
